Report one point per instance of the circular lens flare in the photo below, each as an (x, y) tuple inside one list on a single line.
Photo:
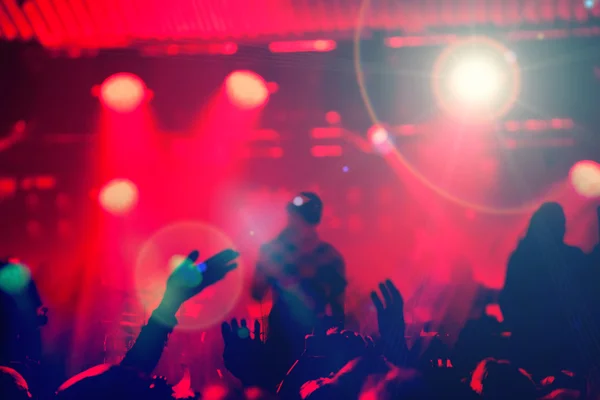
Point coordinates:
[(398, 160), (164, 252), (122, 92), (118, 196)]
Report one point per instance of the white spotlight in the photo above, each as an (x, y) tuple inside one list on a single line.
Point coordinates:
[(298, 201), (475, 81)]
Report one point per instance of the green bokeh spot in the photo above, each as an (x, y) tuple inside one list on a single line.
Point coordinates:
[(14, 278), (243, 333)]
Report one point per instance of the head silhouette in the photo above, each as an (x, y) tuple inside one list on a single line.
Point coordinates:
[(305, 209), (13, 385), (547, 224)]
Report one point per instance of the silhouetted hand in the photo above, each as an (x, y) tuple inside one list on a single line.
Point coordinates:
[(244, 353), (390, 318), (190, 278)]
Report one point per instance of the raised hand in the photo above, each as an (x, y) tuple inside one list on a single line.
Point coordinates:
[(190, 278), (390, 318), (244, 353)]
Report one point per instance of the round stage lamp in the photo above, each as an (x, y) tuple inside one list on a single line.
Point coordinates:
[(475, 81), (585, 178), (246, 89), (122, 92), (118, 197), (378, 135)]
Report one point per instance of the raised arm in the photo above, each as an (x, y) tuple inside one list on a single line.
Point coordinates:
[(185, 282)]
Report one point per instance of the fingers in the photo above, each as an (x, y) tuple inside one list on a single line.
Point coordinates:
[(230, 267), (243, 332), (234, 325), (256, 330), (226, 332), (377, 301), (223, 258), (193, 256), (387, 297), (395, 293)]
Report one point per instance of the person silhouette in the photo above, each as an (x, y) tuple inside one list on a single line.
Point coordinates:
[(543, 299), (306, 277), (21, 313)]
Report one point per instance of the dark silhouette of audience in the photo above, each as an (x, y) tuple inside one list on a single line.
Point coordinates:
[(545, 295), (545, 349), (306, 278)]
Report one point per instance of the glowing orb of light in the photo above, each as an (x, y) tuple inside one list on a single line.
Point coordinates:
[(246, 89), (298, 201), (166, 250), (122, 92), (475, 80), (14, 277), (378, 135), (585, 178), (118, 196)]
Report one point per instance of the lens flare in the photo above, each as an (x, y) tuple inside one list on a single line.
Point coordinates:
[(164, 251)]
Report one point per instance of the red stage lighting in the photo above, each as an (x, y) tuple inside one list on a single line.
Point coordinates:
[(246, 89), (122, 92), (118, 196)]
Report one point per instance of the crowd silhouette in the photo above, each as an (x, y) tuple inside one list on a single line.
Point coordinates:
[(546, 347)]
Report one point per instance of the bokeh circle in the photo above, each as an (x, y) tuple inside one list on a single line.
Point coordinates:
[(159, 255)]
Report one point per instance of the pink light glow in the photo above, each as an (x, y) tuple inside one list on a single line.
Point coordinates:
[(246, 89), (378, 135), (118, 196), (122, 92)]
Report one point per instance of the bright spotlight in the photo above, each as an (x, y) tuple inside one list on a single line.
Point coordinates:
[(118, 196), (246, 89), (378, 135), (475, 81), (589, 4), (122, 92), (585, 178)]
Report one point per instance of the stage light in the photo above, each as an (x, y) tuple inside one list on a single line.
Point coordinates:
[(378, 135), (585, 178), (246, 89), (298, 201), (122, 92), (475, 81), (118, 196), (589, 4)]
